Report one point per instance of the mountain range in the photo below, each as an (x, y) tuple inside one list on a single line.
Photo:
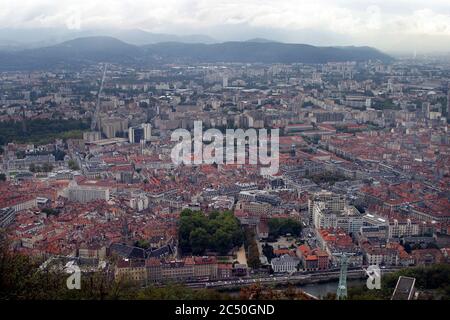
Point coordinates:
[(17, 39), (86, 50)]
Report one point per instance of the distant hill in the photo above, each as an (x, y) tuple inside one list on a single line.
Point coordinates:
[(266, 52), (86, 50), (260, 40), (38, 38), (72, 53), (92, 45), (141, 37)]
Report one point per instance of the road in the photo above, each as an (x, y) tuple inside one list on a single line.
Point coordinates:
[(282, 278), (241, 257), (97, 106)]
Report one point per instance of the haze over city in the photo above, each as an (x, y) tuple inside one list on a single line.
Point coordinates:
[(399, 26)]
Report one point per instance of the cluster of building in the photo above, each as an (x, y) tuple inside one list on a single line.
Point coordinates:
[(364, 163), (163, 271)]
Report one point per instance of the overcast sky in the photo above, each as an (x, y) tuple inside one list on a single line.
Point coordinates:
[(406, 25)]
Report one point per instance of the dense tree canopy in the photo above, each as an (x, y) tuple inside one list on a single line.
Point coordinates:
[(251, 248), (431, 282), (41, 131), (279, 227), (218, 231)]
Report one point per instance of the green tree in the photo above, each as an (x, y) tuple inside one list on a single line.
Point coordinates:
[(59, 154), (47, 167), (41, 131), (279, 227), (221, 240), (50, 211), (251, 247), (222, 229), (73, 165), (32, 168), (20, 154), (434, 279), (268, 251), (199, 241), (144, 244)]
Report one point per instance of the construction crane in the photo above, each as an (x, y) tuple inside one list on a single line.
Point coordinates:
[(97, 106), (342, 286)]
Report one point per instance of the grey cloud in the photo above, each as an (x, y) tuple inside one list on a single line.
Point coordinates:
[(323, 22)]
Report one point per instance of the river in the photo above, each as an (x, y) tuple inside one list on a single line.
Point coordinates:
[(317, 289), (321, 289)]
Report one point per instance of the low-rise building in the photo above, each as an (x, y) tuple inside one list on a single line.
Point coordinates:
[(423, 257), (131, 270), (285, 264)]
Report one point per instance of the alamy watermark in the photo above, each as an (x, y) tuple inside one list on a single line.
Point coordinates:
[(74, 280), (237, 144), (374, 277)]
